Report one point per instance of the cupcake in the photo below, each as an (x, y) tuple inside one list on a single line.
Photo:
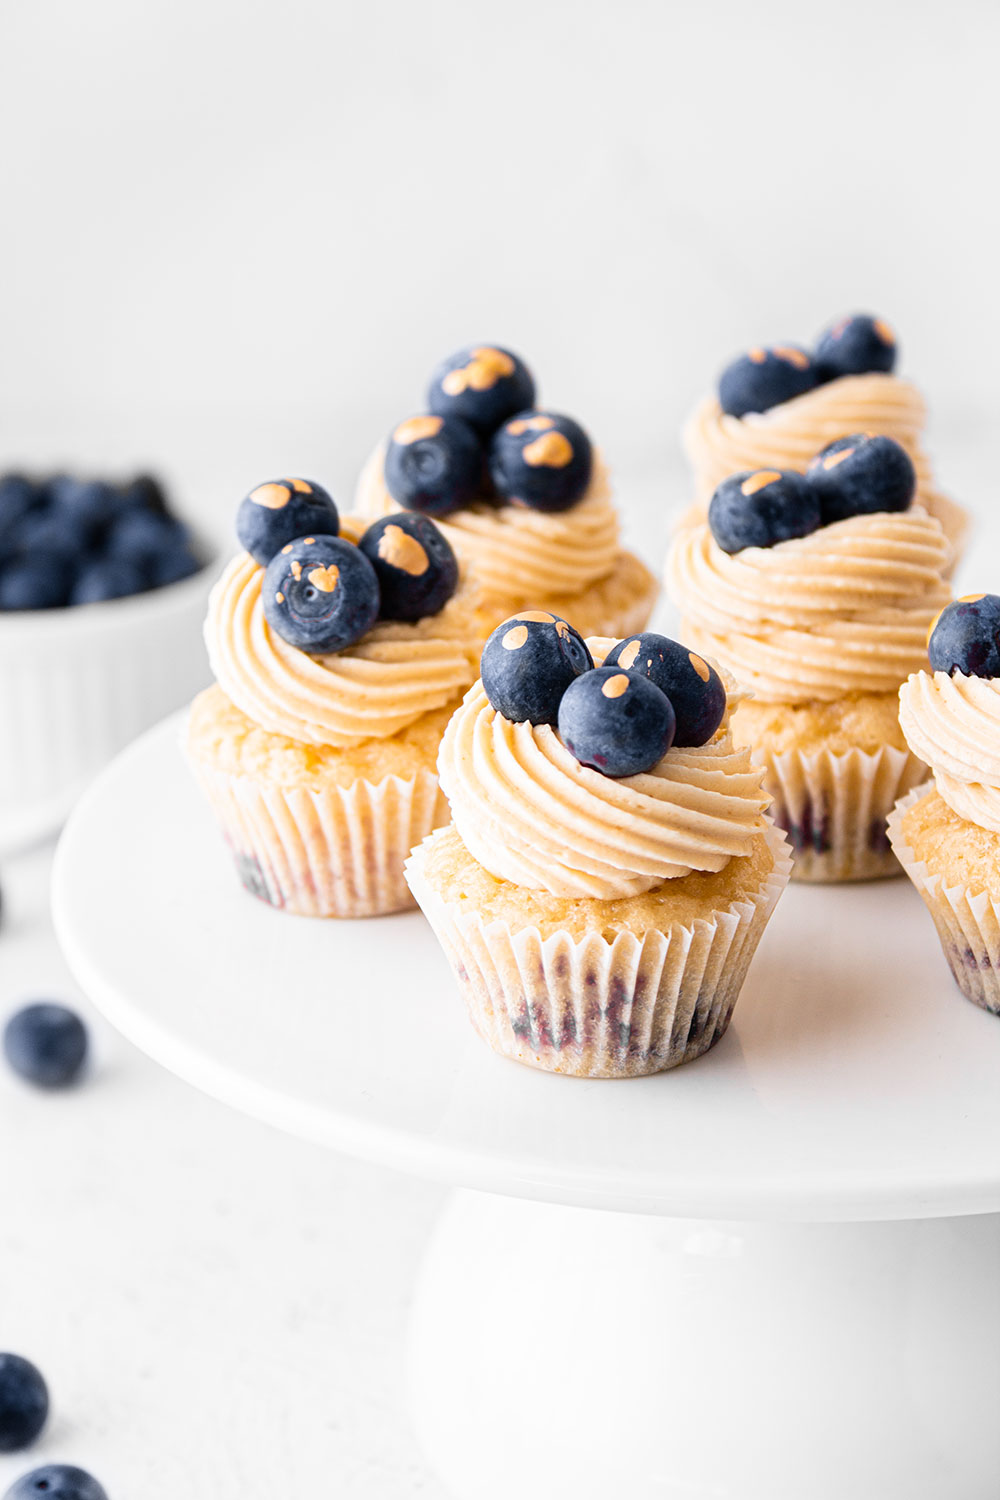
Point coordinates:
[(610, 868), (816, 592), (947, 832), (776, 407), (519, 493), (340, 653)]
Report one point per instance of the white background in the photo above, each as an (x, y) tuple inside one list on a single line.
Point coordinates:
[(235, 237)]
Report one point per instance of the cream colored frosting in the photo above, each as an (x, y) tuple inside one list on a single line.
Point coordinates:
[(519, 555), (789, 435), (953, 723), (844, 610), (394, 674), (531, 814)]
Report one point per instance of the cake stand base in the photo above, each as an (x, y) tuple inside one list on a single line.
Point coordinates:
[(572, 1352)]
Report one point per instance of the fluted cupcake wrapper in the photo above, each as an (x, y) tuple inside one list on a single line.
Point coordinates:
[(336, 852), (595, 1008), (834, 806), (967, 922)]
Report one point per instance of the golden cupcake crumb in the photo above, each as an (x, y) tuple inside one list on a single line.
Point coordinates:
[(962, 853)]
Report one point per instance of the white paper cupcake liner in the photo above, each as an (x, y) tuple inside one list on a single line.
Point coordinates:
[(338, 852), (834, 806), (967, 922), (594, 1008)]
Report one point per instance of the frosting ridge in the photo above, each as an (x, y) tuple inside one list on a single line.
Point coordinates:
[(953, 723)]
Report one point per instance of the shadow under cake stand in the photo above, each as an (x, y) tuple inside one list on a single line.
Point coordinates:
[(773, 1274)]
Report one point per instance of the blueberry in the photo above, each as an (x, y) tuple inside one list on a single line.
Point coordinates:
[(46, 1044), (433, 464), (24, 1403), (36, 582), (528, 663), (51, 529), (18, 498), (144, 492), (417, 570), (105, 578), (616, 722), (763, 378), (541, 460), (695, 689), (141, 536), (762, 507), (172, 566), (854, 346), (965, 637), (56, 1482), (483, 385), (859, 475), (280, 511), (89, 502), (320, 594)]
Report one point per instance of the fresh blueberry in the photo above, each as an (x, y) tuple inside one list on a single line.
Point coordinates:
[(105, 578), (528, 663), (46, 1044), (280, 511), (694, 688), (320, 594), (36, 582), (854, 346), (417, 570), (761, 508), (144, 492), (24, 1403), (89, 502), (763, 378), (433, 464), (141, 536), (50, 530), (18, 498), (56, 1482), (965, 637), (172, 566), (483, 385), (616, 722), (541, 460), (859, 475)]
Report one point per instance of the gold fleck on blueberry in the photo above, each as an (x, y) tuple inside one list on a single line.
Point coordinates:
[(272, 496), (325, 578), (701, 667), (401, 550), (552, 449), (485, 367), (416, 428), (515, 638), (759, 481), (628, 653), (614, 687)]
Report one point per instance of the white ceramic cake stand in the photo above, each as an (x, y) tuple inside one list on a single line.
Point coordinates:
[(771, 1275)]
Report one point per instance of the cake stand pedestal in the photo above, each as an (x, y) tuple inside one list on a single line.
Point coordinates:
[(771, 1275)]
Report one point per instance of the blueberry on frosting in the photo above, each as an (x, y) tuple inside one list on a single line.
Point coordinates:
[(860, 475), (856, 346), (695, 689), (56, 1482), (763, 378), (541, 460), (417, 570), (433, 464), (484, 385), (965, 637), (762, 507), (528, 663), (320, 594), (618, 723), (281, 510)]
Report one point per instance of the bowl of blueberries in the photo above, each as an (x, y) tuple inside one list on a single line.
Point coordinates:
[(102, 596)]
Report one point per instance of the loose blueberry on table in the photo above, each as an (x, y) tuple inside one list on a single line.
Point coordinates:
[(528, 663), (860, 475), (761, 508), (858, 345), (965, 637), (46, 1044), (56, 1482), (24, 1403), (433, 464), (484, 385), (277, 512), (320, 594), (695, 689), (618, 723), (417, 570), (541, 460)]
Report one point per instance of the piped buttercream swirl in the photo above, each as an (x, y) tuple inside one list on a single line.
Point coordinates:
[(953, 723), (530, 813), (844, 610), (520, 555), (371, 690)]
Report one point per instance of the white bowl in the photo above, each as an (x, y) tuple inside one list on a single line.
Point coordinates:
[(77, 684)]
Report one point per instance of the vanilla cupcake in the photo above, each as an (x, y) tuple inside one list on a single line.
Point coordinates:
[(518, 492), (776, 407), (947, 832), (818, 603), (340, 654), (606, 880)]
